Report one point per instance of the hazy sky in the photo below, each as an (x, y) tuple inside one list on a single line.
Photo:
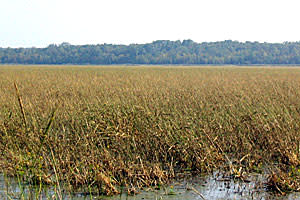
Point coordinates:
[(27, 23)]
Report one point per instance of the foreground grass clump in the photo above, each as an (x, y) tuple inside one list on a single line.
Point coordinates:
[(103, 128)]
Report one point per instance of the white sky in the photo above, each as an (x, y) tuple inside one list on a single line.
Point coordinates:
[(27, 23)]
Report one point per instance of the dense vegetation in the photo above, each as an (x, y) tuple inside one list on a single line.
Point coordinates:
[(107, 127), (158, 52)]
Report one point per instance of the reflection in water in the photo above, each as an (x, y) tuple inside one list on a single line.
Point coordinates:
[(213, 187)]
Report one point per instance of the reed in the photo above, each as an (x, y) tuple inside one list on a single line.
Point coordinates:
[(100, 129)]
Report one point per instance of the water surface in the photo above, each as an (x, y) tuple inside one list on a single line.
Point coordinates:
[(214, 187)]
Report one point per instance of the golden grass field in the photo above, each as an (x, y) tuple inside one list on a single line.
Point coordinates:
[(138, 126)]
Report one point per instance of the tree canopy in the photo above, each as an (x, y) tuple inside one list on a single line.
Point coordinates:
[(158, 52)]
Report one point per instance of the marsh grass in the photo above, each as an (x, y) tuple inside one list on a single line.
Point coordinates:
[(99, 129)]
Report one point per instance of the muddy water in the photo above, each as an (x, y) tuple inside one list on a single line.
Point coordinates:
[(213, 187)]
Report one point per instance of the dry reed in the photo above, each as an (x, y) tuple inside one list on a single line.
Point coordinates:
[(110, 127)]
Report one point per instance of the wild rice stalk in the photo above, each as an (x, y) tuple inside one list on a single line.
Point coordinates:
[(21, 104), (50, 122), (221, 150), (56, 176), (51, 119)]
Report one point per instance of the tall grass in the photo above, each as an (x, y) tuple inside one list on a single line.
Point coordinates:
[(104, 128)]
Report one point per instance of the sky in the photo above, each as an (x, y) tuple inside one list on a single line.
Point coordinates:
[(38, 23)]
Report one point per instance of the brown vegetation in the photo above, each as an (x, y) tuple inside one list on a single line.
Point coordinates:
[(110, 127)]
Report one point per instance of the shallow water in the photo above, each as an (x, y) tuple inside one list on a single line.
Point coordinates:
[(213, 187)]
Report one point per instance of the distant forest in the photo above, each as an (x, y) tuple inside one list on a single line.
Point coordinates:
[(158, 52)]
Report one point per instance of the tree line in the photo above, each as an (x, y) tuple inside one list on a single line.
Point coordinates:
[(158, 52)]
